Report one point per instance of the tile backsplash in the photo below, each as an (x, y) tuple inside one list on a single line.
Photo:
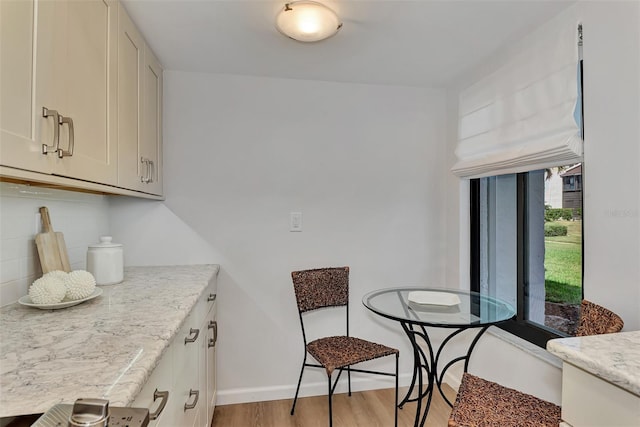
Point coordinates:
[(82, 217)]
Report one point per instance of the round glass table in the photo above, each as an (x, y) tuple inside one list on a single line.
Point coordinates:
[(418, 308)]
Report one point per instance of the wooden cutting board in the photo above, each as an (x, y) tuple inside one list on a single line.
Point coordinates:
[(51, 247)]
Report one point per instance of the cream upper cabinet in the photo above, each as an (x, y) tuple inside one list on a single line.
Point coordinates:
[(58, 111), (152, 121), (130, 65), (85, 70), (20, 117), (139, 111), (81, 97)]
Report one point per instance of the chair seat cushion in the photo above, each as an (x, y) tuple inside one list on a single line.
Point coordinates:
[(482, 403), (341, 351)]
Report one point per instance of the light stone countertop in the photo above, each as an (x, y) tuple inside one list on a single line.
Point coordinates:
[(104, 348), (612, 357)]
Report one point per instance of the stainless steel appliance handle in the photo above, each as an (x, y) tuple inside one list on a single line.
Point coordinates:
[(195, 333), (164, 395), (46, 149), (195, 393), (69, 122)]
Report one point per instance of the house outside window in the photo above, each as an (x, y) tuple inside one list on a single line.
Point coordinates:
[(572, 189)]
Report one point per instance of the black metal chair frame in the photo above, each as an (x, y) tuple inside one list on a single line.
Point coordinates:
[(349, 369)]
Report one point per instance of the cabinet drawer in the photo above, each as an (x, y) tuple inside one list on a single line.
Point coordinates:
[(185, 344), (203, 306), (160, 381)]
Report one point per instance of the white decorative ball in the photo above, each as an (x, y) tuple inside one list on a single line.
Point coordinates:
[(49, 289), (79, 284), (57, 275)]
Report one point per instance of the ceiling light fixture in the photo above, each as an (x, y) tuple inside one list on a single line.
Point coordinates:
[(307, 21)]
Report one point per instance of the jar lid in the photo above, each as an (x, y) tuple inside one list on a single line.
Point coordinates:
[(105, 242)]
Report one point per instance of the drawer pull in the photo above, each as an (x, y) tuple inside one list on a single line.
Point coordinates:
[(164, 395), (212, 297), (212, 343), (195, 393), (194, 333)]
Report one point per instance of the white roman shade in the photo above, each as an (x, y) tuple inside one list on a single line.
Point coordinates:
[(521, 117)]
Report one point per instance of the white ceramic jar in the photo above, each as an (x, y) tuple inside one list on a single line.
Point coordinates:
[(105, 261)]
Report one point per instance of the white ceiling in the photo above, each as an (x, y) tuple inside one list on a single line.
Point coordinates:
[(414, 43)]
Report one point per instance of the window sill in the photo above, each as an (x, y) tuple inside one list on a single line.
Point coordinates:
[(526, 346)]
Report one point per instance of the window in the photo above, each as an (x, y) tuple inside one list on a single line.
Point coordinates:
[(527, 252), (514, 124), (572, 183)]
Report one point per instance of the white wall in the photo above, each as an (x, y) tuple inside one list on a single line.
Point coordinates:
[(611, 186), (81, 217), (364, 164)]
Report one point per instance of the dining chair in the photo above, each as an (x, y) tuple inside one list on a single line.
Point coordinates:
[(329, 287), (484, 403)]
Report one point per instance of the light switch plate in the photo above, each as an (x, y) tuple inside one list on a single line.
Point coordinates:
[(295, 221)]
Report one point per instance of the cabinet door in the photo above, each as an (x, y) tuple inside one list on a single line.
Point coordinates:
[(212, 342), (202, 368), (21, 137), (185, 366), (152, 121), (132, 171), (85, 73)]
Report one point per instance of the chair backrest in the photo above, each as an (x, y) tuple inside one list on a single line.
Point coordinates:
[(595, 320), (321, 287)]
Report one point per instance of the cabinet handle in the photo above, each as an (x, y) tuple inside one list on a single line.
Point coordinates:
[(46, 149), (164, 395), (195, 333), (195, 393), (152, 171), (145, 177), (69, 122), (212, 341), (142, 162), (211, 297)]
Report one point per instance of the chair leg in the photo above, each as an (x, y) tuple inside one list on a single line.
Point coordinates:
[(295, 399), (330, 406), (395, 405), (349, 378)]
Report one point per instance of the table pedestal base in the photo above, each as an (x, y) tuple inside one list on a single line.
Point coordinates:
[(418, 335)]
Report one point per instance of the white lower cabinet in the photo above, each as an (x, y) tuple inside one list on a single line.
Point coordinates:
[(588, 400), (156, 394), (186, 371)]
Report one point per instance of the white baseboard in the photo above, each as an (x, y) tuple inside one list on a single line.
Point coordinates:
[(261, 394), (452, 379)]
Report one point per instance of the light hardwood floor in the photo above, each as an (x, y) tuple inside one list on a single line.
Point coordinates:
[(363, 409)]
